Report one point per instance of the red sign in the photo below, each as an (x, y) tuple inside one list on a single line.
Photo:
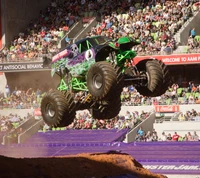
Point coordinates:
[(174, 59), (37, 112), (166, 108)]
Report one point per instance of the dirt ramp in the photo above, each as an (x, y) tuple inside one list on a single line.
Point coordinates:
[(78, 166)]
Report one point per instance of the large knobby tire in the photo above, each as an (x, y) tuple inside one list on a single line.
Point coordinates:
[(111, 105), (71, 113), (108, 111), (120, 82), (158, 79), (56, 109), (101, 78), (167, 79)]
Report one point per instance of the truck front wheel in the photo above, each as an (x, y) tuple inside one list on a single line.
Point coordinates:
[(101, 78), (57, 110)]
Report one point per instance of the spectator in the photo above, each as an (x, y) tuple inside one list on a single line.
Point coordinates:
[(193, 32), (7, 91), (154, 137), (163, 137), (181, 117), (140, 132), (185, 138), (149, 138), (180, 139), (138, 137), (189, 137), (195, 136), (194, 112), (169, 137), (175, 137)]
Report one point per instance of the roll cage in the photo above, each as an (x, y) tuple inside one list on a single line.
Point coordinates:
[(91, 42)]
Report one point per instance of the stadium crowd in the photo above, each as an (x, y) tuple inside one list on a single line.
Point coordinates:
[(12, 121), (18, 98), (86, 121), (174, 95), (152, 136), (129, 121), (152, 23), (192, 115), (30, 99), (42, 35)]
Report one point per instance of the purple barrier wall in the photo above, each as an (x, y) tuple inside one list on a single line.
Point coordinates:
[(78, 136), (159, 157)]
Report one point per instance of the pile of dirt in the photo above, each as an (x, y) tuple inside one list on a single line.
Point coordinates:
[(78, 166)]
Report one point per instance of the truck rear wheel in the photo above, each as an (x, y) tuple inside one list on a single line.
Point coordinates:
[(107, 110), (167, 79), (158, 78), (110, 106)]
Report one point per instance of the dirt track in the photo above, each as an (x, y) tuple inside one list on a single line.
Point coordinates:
[(78, 166)]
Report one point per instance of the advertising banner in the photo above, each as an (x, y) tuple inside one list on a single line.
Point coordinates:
[(166, 108), (178, 59), (173, 167), (11, 67), (174, 59)]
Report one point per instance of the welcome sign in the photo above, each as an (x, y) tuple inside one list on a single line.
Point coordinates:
[(174, 59)]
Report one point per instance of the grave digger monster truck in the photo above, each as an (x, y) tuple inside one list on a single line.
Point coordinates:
[(93, 72)]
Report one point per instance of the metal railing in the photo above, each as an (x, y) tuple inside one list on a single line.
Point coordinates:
[(146, 124), (33, 129), (12, 136), (85, 30), (177, 36), (70, 34)]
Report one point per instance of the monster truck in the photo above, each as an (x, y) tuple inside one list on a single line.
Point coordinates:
[(93, 72)]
